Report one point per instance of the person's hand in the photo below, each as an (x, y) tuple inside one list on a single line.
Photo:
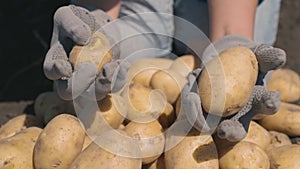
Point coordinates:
[(75, 25)]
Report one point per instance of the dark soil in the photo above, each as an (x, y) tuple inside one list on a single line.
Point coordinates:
[(25, 33)]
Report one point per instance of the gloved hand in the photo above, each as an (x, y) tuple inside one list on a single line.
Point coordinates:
[(262, 101), (75, 25)]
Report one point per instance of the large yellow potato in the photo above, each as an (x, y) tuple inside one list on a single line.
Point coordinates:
[(242, 155), (170, 81), (59, 143), (16, 151), (19, 123), (287, 82), (258, 135), (96, 157), (97, 51), (195, 151), (278, 139), (149, 137), (286, 120), (227, 81), (144, 104), (285, 157)]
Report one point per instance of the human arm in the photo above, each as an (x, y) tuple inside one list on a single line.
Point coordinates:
[(228, 17)]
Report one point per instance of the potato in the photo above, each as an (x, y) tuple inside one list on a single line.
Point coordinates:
[(287, 82), (48, 105), (285, 157), (96, 157), (286, 120), (195, 151), (142, 70), (258, 135), (59, 143), (171, 81), (278, 139), (149, 137), (97, 51), (227, 81), (109, 107), (144, 104), (157, 164), (242, 155), (19, 123), (16, 151)]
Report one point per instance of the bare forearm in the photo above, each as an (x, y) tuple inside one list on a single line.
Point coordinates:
[(111, 7), (231, 17)]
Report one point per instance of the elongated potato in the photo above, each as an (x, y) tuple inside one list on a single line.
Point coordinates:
[(278, 139), (242, 155), (258, 135), (287, 82), (149, 137), (19, 123), (16, 151), (227, 81), (59, 143), (96, 157), (286, 120), (285, 157), (195, 151)]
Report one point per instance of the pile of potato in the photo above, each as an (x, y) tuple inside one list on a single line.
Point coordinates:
[(144, 110)]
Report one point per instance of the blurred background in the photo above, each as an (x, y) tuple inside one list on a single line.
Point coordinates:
[(25, 33)]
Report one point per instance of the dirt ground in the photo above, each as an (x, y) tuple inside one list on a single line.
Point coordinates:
[(25, 33)]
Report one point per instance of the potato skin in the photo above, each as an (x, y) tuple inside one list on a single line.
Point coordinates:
[(231, 89), (16, 151), (95, 157), (258, 135), (242, 155), (195, 151), (278, 139), (59, 143), (287, 82), (149, 137), (285, 157), (19, 123), (286, 120)]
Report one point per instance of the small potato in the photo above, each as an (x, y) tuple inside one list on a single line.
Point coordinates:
[(149, 137), (286, 120), (16, 151), (144, 104), (110, 110), (97, 51), (285, 157), (97, 157), (278, 139), (19, 123), (242, 155), (194, 151), (287, 82), (170, 81), (227, 81), (59, 143), (258, 135)]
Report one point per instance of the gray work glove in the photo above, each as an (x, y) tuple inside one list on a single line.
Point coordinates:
[(262, 101), (75, 25)]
